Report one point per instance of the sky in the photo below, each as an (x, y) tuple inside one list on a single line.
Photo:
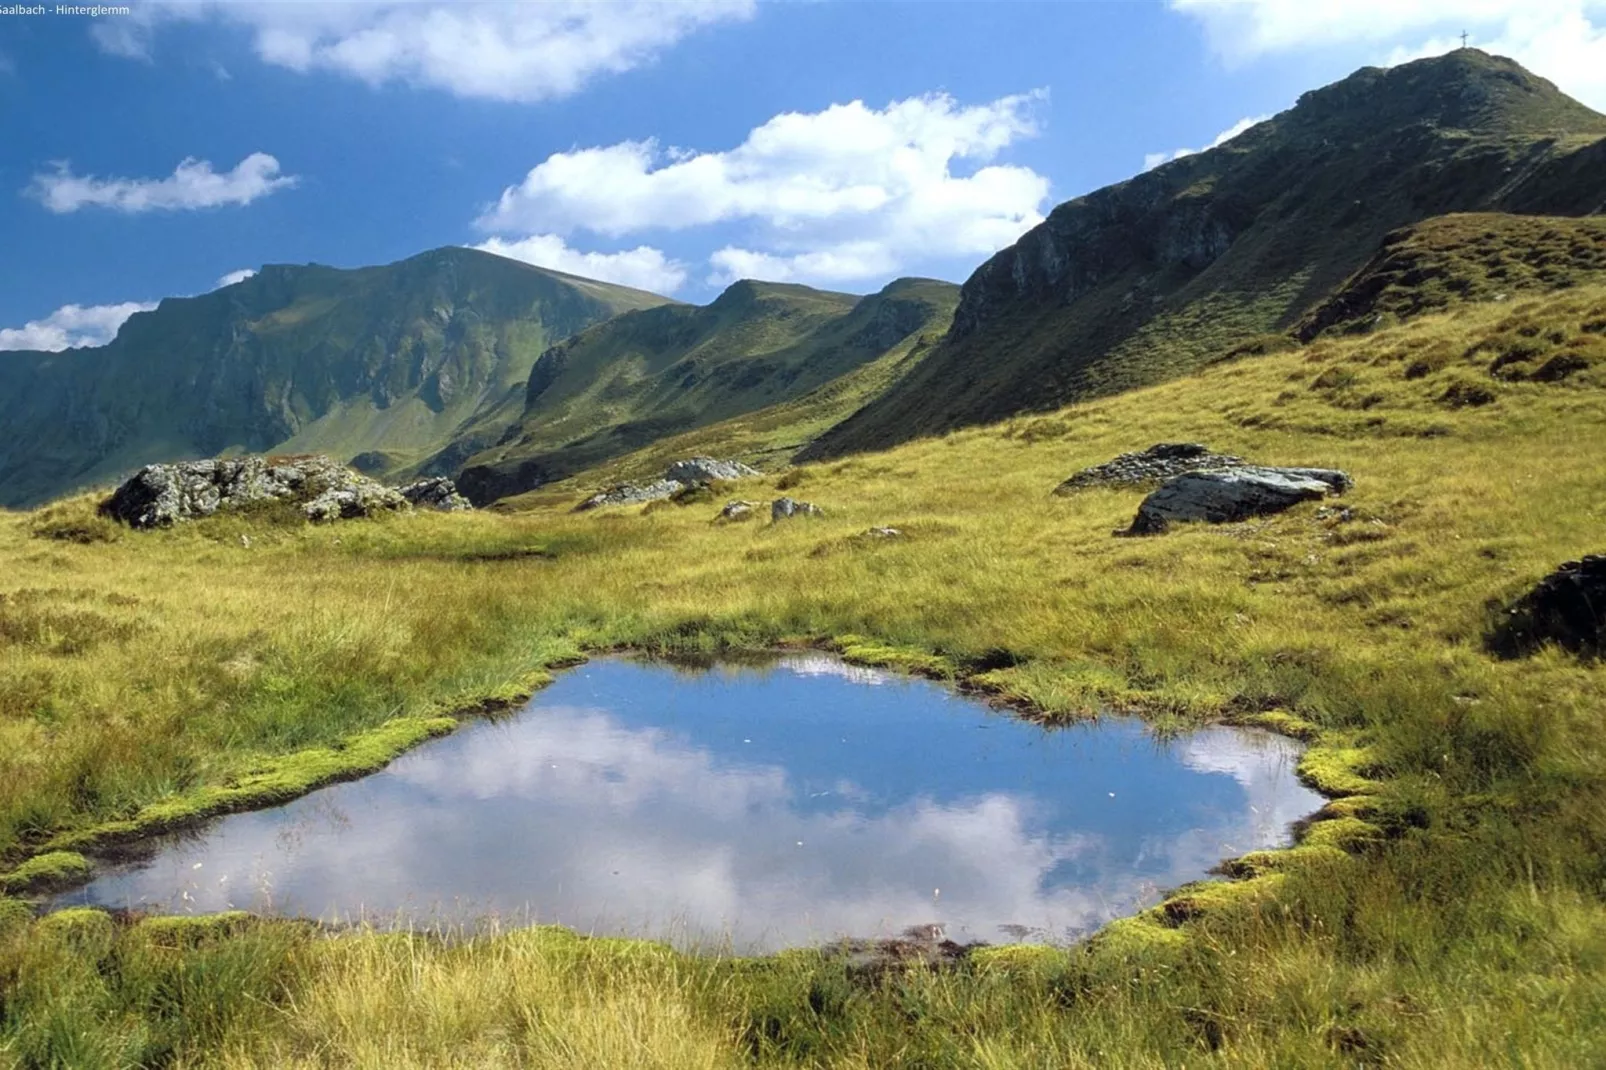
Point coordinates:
[(168, 148)]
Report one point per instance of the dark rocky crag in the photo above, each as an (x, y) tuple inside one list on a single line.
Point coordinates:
[(1567, 607)]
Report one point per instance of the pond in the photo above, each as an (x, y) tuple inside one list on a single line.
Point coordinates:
[(751, 806)]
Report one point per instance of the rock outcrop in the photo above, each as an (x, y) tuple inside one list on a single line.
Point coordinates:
[(160, 495), (435, 492), (786, 508), (707, 470), (632, 494), (1159, 462), (692, 472), (1567, 607), (1235, 493)]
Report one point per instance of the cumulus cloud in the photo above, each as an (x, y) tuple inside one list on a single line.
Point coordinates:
[(233, 277), (500, 51), (847, 193), (1155, 159), (643, 267), (193, 184), (1563, 40), (71, 326)]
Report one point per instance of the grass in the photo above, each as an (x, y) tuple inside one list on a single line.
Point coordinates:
[(1447, 910)]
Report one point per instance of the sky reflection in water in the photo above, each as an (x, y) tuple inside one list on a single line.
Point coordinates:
[(772, 806)]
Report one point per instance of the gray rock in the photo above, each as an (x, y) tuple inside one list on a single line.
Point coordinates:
[(1153, 465), (736, 510), (435, 492), (1236, 493), (884, 533), (632, 494), (160, 495), (707, 470), (785, 508)]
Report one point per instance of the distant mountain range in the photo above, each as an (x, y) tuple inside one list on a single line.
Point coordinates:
[(1345, 210)]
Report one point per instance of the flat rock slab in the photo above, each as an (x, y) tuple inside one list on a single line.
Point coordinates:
[(1567, 607), (1237, 493), (1159, 462)]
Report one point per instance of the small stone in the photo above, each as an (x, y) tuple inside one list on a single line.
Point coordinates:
[(785, 508), (735, 511), (884, 533)]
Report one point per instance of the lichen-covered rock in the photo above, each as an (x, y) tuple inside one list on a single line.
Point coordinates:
[(785, 508), (632, 494), (1237, 493), (160, 495), (1159, 462), (707, 470), (735, 511), (1567, 607), (435, 492)]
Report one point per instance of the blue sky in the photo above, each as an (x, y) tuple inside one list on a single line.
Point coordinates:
[(669, 145)]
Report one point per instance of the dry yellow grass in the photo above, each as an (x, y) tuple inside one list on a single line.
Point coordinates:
[(1456, 922)]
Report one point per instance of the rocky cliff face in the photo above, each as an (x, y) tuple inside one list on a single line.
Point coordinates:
[(1150, 277)]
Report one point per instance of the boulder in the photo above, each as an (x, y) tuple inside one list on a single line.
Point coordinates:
[(707, 470), (1159, 462), (632, 494), (785, 508), (160, 495), (1237, 493), (1567, 607), (435, 492)]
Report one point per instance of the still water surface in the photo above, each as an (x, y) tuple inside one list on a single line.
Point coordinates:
[(767, 806)]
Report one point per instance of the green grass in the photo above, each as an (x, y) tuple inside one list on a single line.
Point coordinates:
[(1447, 909)]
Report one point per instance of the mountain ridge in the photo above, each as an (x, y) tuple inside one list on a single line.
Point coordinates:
[(1148, 278), (374, 361)]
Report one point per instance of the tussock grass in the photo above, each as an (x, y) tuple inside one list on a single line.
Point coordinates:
[(1448, 908)]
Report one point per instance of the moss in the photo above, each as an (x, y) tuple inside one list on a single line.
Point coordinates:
[(1338, 771), (1018, 958), (44, 872), (87, 930), (863, 651), (1283, 723), (1138, 936), (14, 913), (182, 930), (272, 784), (1215, 897), (1342, 833)]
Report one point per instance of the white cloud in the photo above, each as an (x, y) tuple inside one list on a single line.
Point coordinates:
[(1563, 40), (1155, 159), (850, 192), (193, 184), (233, 277), (500, 51), (70, 326), (643, 267)]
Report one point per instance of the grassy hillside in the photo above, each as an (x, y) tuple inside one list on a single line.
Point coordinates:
[(385, 362), (650, 375), (1446, 911), (1149, 278)]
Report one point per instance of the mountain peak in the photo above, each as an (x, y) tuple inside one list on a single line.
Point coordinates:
[(1466, 89)]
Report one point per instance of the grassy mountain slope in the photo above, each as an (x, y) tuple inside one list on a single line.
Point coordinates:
[(1148, 278), (384, 361), (1459, 258), (649, 375), (1447, 910)]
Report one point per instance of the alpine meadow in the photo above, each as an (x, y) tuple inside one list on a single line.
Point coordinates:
[(1302, 436)]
